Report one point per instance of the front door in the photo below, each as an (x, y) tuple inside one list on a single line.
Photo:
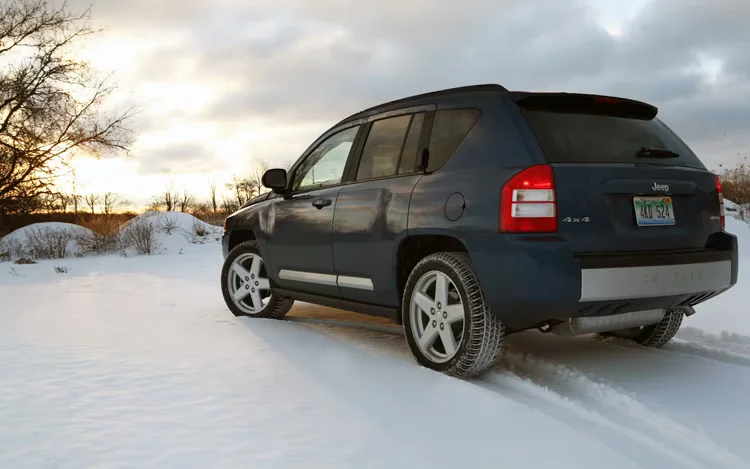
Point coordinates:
[(300, 226)]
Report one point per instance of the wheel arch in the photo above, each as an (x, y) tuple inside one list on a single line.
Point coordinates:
[(240, 236), (415, 247)]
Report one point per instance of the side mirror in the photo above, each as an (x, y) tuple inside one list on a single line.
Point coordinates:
[(275, 179)]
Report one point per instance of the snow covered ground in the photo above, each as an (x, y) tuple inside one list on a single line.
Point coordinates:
[(127, 362)]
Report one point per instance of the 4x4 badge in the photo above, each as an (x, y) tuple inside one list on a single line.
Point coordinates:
[(576, 220)]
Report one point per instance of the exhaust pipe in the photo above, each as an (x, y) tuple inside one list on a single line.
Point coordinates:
[(615, 322)]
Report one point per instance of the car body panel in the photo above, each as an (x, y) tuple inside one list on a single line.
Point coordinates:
[(370, 219)]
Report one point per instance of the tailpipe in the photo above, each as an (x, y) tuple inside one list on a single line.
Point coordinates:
[(615, 322)]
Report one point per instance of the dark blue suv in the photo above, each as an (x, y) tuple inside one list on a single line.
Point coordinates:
[(471, 213)]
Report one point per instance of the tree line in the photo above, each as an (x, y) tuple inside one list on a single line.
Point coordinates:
[(51, 111)]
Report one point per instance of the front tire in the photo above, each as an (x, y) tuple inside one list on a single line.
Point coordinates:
[(448, 325), (246, 287)]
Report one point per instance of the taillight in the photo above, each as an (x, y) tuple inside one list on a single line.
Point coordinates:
[(528, 203), (721, 201)]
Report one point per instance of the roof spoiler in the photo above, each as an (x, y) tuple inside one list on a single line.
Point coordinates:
[(574, 103)]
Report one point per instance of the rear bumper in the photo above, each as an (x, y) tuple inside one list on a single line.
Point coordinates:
[(529, 281), (626, 283)]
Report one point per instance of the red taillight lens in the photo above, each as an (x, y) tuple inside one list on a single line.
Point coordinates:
[(528, 203), (721, 201)]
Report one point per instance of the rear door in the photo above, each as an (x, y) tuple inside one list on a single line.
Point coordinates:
[(371, 213), (624, 181)]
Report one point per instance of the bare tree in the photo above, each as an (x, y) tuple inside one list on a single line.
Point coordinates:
[(169, 198), (229, 205), (48, 201), (185, 201), (63, 201), (48, 100), (214, 203), (92, 200), (109, 202), (256, 176), (244, 189), (74, 199)]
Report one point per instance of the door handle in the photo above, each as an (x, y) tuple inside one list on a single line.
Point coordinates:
[(320, 203)]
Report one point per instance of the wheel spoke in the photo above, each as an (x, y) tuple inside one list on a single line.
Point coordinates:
[(424, 302), (240, 294), (441, 289), (454, 312), (255, 267), (428, 337), (449, 341), (240, 271), (257, 302), (263, 284)]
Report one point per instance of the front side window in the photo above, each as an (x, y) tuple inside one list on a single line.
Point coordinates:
[(325, 165), (383, 147)]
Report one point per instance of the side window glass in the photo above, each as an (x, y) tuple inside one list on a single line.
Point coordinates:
[(383, 148), (448, 131), (325, 165), (410, 154)]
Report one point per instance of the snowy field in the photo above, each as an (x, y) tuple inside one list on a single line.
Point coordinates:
[(135, 362)]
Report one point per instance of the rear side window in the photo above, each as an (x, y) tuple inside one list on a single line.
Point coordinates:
[(382, 151), (448, 131), (587, 138)]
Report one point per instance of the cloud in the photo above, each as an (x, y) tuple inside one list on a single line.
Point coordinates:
[(297, 63), (177, 158)]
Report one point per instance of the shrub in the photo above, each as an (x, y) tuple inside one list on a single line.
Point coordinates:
[(735, 184), (47, 242), (199, 228), (103, 237), (168, 223), (140, 234)]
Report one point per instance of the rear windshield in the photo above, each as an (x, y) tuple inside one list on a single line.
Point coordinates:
[(585, 138)]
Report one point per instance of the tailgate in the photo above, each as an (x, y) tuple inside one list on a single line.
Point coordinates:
[(600, 207), (624, 181)]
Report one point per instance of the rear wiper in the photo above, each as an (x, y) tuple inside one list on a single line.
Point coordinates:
[(655, 153)]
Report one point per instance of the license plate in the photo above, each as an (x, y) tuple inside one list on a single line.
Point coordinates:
[(653, 211)]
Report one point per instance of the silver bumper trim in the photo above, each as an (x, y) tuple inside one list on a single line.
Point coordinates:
[(619, 283)]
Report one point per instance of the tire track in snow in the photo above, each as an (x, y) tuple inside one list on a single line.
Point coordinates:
[(727, 340), (552, 386), (706, 346), (569, 395), (708, 352)]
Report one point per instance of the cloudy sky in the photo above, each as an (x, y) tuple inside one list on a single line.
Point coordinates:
[(221, 84)]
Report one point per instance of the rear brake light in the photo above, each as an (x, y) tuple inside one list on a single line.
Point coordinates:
[(721, 201), (528, 203)]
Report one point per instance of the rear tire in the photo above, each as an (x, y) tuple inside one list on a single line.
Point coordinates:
[(250, 293), (655, 335), (448, 325)]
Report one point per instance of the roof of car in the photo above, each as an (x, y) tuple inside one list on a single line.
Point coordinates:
[(390, 105), (489, 87)]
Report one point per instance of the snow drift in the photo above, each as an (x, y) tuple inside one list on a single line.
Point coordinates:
[(148, 233)]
